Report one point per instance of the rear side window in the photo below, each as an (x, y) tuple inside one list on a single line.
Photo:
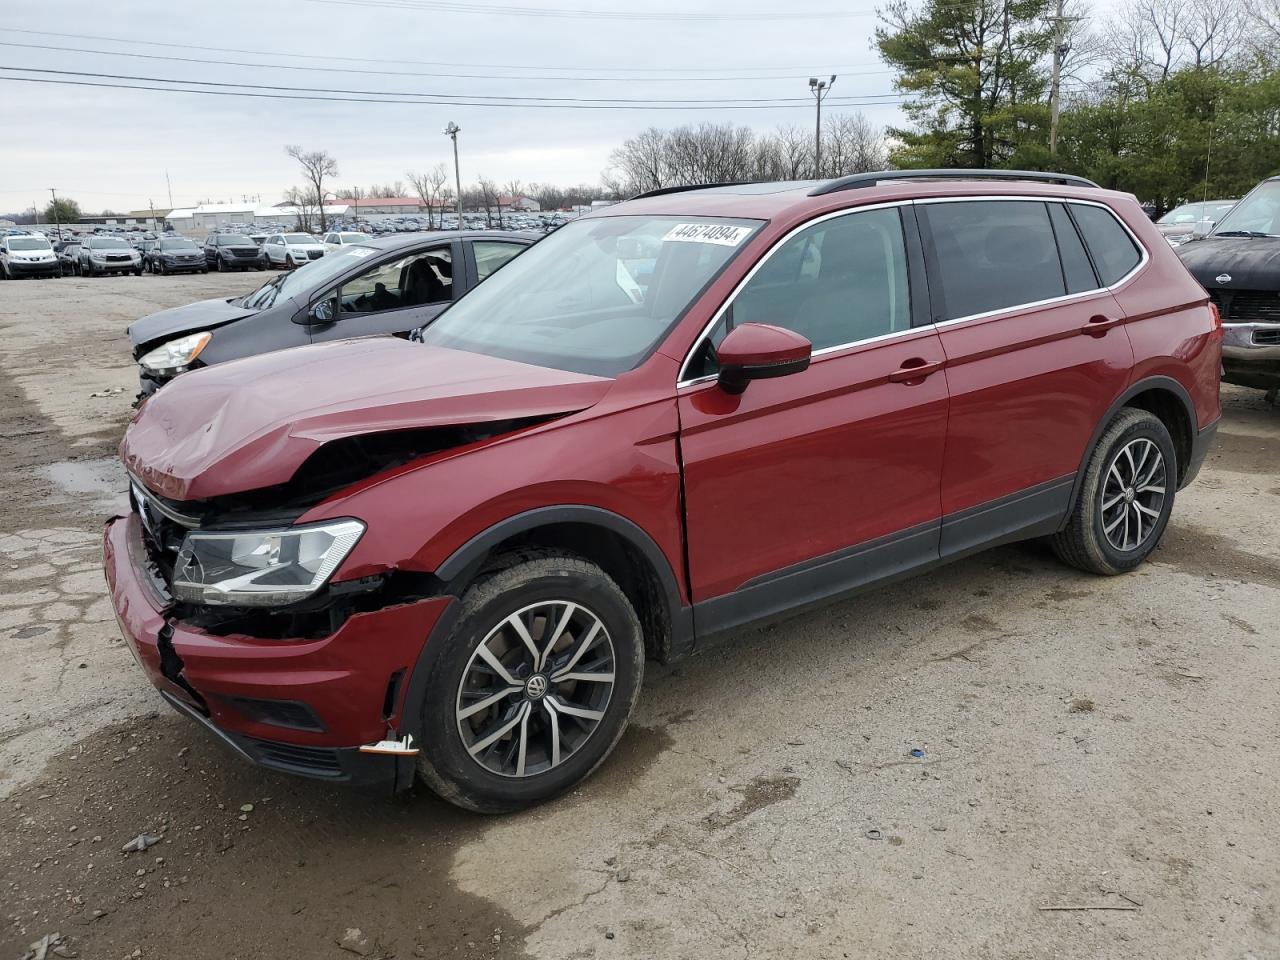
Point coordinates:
[(993, 254), (1076, 269), (1113, 250)]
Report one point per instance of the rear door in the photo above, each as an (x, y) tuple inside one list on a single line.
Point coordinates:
[(395, 295), (1036, 352), (807, 485)]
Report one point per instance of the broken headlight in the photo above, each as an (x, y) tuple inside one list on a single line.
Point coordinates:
[(176, 355), (261, 568)]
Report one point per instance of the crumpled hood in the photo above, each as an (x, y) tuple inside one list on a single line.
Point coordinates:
[(201, 315), (249, 424), (1252, 263)]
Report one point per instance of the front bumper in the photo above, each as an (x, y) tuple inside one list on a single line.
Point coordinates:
[(1251, 341), (33, 268), (113, 266), (299, 706)]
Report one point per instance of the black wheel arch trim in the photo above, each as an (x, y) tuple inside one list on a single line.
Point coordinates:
[(1158, 382), (463, 563)]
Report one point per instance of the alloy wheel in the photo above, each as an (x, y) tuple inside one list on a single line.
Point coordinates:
[(536, 688), (1133, 493)]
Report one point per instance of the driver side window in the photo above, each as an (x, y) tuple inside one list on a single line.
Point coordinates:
[(416, 280), (837, 282)]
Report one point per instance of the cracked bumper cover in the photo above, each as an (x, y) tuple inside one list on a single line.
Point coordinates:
[(342, 678)]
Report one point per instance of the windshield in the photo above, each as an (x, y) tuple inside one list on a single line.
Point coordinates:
[(233, 240), (1195, 212), (177, 245), (310, 276), (298, 238), (352, 237), (29, 243), (108, 243), (596, 296), (1258, 213)]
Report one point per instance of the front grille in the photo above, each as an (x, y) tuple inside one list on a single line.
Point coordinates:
[(245, 254), (1267, 338), (162, 534), (315, 254), (118, 257), (314, 761), (1244, 306)]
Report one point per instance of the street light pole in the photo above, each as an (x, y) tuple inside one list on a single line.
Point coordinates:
[(819, 89), (452, 131), (56, 219)]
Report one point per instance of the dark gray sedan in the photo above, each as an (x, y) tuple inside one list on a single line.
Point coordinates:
[(389, 285)]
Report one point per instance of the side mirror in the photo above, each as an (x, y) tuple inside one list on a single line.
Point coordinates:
[(1201, 228), (758, 351), (322, 311)]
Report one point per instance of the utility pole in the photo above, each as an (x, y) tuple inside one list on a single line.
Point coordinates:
[(452, 131), (819, 89), (56, 219), (152, 205), (1060, 50), (170, 186)]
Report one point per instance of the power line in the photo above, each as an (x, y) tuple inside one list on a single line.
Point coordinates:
[(562, 13), (848, 101), (443, 98), (329, 58), (403, 73)]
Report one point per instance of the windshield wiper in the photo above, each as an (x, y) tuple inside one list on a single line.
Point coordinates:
[(1243, 233)]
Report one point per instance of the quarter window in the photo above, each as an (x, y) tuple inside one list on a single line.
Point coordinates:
[(993, 254), (1113, 250), (1076, 269)]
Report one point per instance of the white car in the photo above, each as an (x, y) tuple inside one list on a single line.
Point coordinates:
[(289, 250), (27, 255), (338, 240)]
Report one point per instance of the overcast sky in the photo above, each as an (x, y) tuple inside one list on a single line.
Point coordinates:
[(111, 148)]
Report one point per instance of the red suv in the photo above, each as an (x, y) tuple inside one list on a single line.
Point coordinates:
[(450, 558)]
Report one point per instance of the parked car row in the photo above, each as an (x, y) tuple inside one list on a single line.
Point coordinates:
[(447, 557)]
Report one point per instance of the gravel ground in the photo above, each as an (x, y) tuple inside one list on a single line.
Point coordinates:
[(1103, 745)]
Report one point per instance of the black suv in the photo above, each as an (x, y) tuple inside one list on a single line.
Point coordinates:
[(174, 255), (233, 251), (1238, 262)]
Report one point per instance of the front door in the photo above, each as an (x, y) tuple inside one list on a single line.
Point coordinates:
[(394, 295), (808, 485)]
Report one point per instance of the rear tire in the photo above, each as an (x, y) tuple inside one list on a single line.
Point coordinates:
[(1125, 499), (566, 724)]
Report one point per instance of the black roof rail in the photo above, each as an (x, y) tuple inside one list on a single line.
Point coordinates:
[(663, 191), (859, 180)]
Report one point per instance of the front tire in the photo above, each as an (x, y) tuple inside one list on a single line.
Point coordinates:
[(1125, 499), (533, 687)]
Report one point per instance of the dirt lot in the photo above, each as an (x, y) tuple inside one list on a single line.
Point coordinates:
[(1087, 743)]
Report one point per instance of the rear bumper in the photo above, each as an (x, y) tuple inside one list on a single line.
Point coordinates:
[(1200, 445), (299, 706)]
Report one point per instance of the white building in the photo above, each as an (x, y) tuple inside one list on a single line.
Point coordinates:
[(209, 216)]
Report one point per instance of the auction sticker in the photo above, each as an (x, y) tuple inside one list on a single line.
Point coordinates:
[(718, 233)]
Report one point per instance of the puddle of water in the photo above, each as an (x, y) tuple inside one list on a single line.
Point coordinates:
[(99, 484)]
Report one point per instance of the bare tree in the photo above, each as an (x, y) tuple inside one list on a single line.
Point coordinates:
[(317, 167), (430, 188), (795, 147), (514, 188), (302, 199), (1153, 38), (489, 193)]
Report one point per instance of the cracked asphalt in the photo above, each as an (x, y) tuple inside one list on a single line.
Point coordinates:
[(1004, 758)]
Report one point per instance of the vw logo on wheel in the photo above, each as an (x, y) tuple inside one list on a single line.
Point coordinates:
[(536, 687)]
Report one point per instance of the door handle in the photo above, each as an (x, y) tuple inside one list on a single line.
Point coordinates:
[(1100, 324), (915, 370)]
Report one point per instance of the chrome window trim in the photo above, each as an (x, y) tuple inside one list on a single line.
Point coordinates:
[(1016, 308), (715, 318)]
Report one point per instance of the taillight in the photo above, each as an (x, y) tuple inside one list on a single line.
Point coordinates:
[(1217, 315)]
